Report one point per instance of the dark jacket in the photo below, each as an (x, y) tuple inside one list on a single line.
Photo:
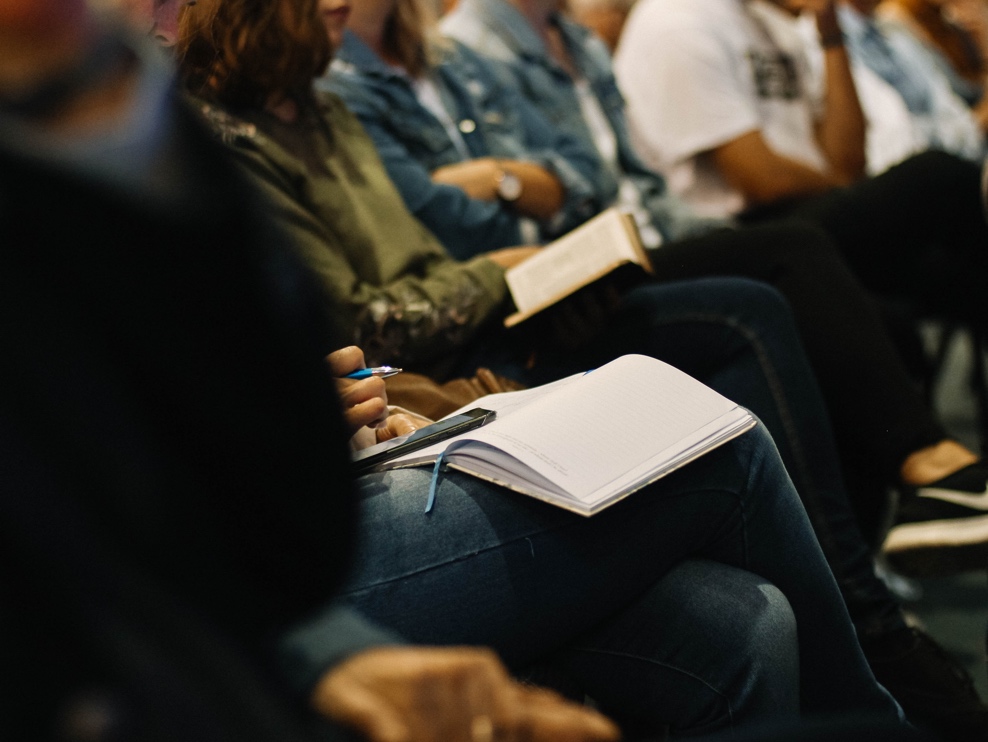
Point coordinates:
[(173, 488)]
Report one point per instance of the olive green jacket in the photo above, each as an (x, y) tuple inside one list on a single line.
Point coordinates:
[(398, 294)]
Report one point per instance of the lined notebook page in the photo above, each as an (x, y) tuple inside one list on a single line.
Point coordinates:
[(592, 432)]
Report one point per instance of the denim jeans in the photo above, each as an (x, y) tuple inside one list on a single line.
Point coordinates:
[(738, 337), (603, 598)]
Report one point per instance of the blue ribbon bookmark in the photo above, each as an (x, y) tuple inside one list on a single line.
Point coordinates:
[(440, 467)]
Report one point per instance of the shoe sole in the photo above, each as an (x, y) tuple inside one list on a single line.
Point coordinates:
[(938, 548)]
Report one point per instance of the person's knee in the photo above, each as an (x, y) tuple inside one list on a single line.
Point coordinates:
[(758, 622), (754, 310), (749, 624), (771, 629), (938, 173), (727, 296)]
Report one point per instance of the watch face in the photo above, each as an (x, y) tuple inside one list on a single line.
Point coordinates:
[(508, 186)]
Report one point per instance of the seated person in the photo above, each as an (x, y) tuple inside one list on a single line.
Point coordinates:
[(760, 143), (538, 184), (955, 32), (841, 340), (172, 461), (791, 259), (399, 292), (936, 116), (111, 632), (907, 103)]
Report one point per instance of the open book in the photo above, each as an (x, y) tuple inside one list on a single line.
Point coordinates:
[(587, 441), (575, 260)]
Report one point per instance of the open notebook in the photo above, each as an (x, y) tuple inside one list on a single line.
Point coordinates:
[(587, 441)]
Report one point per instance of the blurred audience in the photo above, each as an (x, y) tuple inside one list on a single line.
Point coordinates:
[(908, 103), (316, 164), (956, 34)]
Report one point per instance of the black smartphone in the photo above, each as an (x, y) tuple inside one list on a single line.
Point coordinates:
[(368, 458)]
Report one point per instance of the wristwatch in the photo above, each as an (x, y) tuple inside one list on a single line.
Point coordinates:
[(508, 185)]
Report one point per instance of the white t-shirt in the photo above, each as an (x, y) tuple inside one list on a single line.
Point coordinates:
[(700, 73), (629, 198)]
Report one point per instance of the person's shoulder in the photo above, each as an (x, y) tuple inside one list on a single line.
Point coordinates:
[(347, 84), (226, 126), (334, 109), (686, 14), (461, 59), (462, 20), (472, 29)]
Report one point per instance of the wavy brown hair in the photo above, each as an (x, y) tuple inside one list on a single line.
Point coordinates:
[(241, 53)]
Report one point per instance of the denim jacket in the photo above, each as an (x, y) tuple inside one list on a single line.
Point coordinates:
[(494, 122), (495, 29)]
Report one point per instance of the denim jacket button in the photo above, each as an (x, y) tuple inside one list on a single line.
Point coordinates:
[(468, 126)]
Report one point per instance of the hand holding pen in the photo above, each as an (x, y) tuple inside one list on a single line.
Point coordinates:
[(380, 372), (364, 399)]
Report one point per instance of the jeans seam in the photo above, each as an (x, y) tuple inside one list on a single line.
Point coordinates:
[(461, 558), (650, 661), (777, 390)]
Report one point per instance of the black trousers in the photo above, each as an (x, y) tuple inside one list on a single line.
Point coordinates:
[(917, 231), (878, 412)]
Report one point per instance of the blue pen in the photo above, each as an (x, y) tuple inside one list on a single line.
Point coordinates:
[(380, 371)]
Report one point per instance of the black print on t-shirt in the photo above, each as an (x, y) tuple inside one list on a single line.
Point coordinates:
[(775, 74)]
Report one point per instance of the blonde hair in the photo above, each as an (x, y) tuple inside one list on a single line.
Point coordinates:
[(410, 36)]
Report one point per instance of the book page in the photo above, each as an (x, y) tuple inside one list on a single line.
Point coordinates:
[(588, 434), (574, 260), (504, 404)]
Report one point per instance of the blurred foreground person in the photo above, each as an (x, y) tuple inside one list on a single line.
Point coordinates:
[(172, 456)]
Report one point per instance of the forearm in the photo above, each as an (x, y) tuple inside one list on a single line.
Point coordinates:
[(541, 193), (790, 179), (762, 176), (842, 130), (980, 112)]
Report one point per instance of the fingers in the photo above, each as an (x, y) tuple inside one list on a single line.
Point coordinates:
[(508, 257), (361, 707), (470, 693), (396, 425), (365, 402), (541, 716), (404, 694), (345, 361)]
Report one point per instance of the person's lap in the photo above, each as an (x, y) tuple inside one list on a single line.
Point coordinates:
[(916, 231), (487, 560), (708, 646), (737, 336), (493, 567)]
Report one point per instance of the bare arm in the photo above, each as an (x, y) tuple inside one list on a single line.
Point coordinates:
[(842, 129), (751, 167), (541, 193)]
